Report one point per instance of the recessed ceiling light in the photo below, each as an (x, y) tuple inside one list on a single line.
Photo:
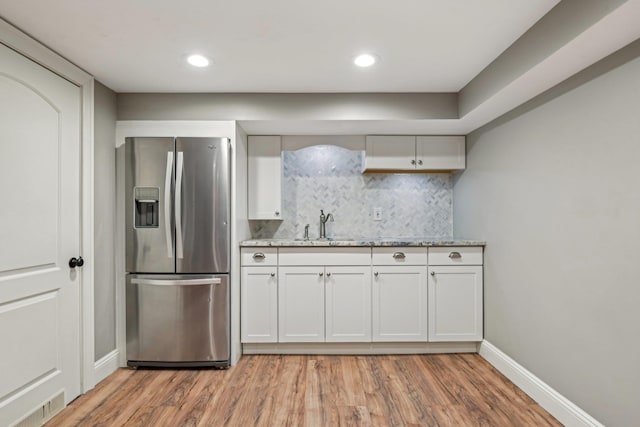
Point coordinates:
[(197, 60), (364, 60)]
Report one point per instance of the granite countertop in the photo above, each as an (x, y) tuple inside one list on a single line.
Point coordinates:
[(361, 241)]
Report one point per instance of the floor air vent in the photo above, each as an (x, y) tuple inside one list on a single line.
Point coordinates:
[(43, 413)]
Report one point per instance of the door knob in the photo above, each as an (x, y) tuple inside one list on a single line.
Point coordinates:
[(76, 262)]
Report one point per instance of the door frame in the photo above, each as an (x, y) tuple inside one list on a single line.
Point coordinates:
[(20, 42)]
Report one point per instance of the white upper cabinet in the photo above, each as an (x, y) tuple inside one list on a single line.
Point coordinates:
[(264, 177), (390, 152), (440, 153), (411, 153)]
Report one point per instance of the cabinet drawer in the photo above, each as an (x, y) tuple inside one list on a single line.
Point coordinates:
[(399, 256), (451, 255), (259, 256), (325, 256)]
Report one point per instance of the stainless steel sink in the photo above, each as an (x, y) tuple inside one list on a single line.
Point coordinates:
[(329, 239)]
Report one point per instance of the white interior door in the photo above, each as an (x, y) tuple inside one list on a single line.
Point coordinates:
[(39, 232)]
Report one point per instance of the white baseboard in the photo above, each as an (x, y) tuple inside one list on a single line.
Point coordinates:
[(556, 404), (359, 348), (106, 366)]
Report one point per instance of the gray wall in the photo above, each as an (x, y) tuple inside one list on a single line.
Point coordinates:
[(104, 220), (553, 189), (287, 106), (551, 33)]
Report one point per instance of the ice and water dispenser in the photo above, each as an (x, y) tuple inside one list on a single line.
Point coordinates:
[(146, 201)]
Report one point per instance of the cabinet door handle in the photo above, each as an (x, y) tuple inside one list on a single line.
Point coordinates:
[(376, 274), (453, 255), (399, 255), (328, 274), (413, 162), (419, 162), (258, 255), (277, 213), (273, 274), (320, 274), (433, 273)]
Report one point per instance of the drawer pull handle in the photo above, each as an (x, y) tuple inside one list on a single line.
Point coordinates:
[(454, 255), (258, 255), (399, 255)]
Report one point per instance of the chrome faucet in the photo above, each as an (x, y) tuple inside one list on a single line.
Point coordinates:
[(306, 232), (323, 220)]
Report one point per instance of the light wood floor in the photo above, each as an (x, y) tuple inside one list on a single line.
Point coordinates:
[(427, 390)]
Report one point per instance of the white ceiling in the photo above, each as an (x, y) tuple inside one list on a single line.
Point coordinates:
[(278, 45)]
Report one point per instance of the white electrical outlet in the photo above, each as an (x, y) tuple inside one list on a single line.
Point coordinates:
[(377, 214)]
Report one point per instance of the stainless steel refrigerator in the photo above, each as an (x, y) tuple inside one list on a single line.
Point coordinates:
[(177, 251)]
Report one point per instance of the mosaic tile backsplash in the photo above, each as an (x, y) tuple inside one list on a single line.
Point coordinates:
[(328, 177)]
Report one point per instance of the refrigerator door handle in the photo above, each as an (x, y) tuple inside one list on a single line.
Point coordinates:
[(179, 170), (177, 282), (167, 204)]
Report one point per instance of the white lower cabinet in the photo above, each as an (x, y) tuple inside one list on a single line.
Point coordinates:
[(301, 304), (348, 304), (259, 308), (324, 303), (399, 303), (455, 303), (387, 294), (264, 177)]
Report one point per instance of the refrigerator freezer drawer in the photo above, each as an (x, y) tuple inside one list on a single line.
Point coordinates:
[(178, 320)]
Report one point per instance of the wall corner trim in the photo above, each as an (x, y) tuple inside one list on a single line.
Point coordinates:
[(556, 404), (106, 366)]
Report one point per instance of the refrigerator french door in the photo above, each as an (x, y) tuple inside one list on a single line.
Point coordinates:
[(177, 251)]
